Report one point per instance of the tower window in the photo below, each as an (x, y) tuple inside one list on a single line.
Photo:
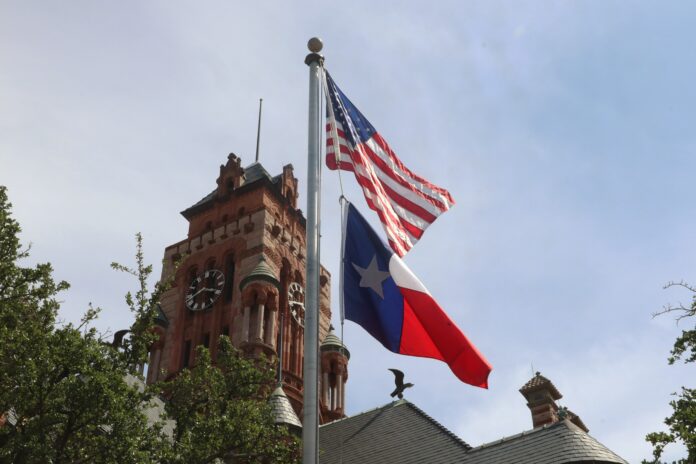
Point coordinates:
[(229, 279), (206, 340), (186, 354)]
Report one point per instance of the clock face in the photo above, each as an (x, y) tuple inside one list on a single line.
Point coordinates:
[(205, 289), (296, 302)]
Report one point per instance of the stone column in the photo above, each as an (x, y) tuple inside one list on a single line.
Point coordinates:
[(343, 397), (270, 330), (300, 351), (245, 323), (325, 389), (259, 321), (339, 391)]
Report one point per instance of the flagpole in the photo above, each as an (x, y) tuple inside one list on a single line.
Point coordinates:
[(310, 423)]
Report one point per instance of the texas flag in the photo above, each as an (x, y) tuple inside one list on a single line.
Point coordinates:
[(380, 293)]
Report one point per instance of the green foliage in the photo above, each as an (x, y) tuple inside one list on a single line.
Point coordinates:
[(63, 394), (143, 305), (222, 412), (66, 396), (682, 423)]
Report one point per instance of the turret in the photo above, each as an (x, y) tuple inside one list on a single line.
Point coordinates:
[(259, 309), (334, 374), (282, 411)]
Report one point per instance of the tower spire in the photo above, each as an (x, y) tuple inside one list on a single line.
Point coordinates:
[(258, 130)]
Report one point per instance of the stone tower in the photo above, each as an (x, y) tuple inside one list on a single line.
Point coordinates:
[(242, 274)]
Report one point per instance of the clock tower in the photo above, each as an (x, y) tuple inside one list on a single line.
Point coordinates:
[(242, 274)]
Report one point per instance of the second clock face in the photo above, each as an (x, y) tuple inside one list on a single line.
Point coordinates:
[(296, 302), (205, 289)]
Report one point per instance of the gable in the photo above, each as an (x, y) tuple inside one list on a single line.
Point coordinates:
[(396, 433)]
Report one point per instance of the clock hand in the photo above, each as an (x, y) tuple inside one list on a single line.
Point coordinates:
[(199, 291)]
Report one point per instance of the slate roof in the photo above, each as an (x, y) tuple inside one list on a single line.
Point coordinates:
[(396, 433), (262, 272), (559, 443), (281, 409), (402, 433), (255, 171), (333, 343)]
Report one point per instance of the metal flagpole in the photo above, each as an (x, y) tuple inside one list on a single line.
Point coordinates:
[(310, 423)]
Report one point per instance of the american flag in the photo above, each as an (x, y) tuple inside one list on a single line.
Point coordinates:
[(405, 202)]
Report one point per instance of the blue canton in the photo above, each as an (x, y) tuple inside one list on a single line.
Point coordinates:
[(356, 126)]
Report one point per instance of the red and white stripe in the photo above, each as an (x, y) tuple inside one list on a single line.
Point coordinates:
[(405, 202)]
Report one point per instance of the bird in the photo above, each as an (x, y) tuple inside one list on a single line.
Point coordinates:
[(400, 385)]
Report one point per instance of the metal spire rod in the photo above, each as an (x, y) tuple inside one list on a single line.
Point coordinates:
[(258, 130), (280, 349), (310, 423)]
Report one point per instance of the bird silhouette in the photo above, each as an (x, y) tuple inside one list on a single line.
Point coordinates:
[(400, 385)]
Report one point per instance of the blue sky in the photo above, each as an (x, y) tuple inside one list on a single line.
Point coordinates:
[(562, 129)]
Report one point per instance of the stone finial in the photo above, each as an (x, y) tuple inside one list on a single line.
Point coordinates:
[(231, 175)]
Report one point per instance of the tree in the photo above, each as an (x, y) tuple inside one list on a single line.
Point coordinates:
[(682, 423), (68, 396), (63, 394), (222, 412)]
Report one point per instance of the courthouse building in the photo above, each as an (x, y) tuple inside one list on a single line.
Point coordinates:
[(242, 274)]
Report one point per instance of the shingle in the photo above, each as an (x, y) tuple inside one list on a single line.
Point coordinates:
[(562, 442), (396, 433), (539, 382), (252, 173), (401, 433), (282, 409)]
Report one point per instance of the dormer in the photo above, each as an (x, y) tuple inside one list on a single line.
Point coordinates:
[(231, 176), (288, 185)]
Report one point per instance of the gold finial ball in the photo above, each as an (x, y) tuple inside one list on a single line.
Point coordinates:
[(315, 45)]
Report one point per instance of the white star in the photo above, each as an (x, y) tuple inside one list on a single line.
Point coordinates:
[(372, 277)]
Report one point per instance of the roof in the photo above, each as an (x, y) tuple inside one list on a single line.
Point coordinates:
[(539, 382), (562, 442), (282, 409), (396, 433), (161, 318), (262, 272), (255, 171), (333, 343)]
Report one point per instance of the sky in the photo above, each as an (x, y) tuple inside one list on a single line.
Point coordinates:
[(563, 130)]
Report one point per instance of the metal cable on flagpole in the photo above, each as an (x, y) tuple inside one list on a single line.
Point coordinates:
[(310, 423)]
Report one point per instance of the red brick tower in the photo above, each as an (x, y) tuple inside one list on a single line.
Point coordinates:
[(242, 276), (334, 375)]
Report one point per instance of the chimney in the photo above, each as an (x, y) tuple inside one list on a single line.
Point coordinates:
[(541, 396)]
